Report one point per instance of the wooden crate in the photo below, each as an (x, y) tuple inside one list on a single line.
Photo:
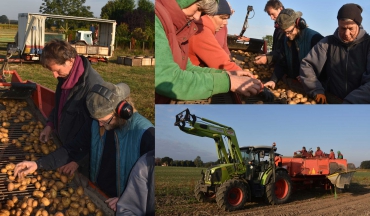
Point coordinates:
[(131, 61), (146, 62), (92, 50), (103, 50), (80, 49), (121, 59)]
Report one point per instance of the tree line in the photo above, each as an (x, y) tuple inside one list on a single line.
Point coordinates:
[(197, 162)]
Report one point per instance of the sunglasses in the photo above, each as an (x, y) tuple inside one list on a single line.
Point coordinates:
[(290, 32), (109, 120)]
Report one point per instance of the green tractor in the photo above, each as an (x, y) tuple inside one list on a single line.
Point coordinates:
[(242, 172)]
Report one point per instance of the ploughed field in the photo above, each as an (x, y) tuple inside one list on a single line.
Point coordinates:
[(174, 196)]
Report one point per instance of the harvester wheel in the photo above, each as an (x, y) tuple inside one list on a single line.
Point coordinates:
[(279, 192), (203, 196), (232, 195)]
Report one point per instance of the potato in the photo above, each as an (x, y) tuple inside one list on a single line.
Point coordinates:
[(80, 190), (35, 203), (51, 182), (82, 202), (59, 185), (33, 180), (91, 207), (11, 158), (75, 205), (22, 188), (10, 166), (23, 205), (45, 201), (66, 201), (15, 199), (38, 194), (45, 149), (85, 211), (30, 201), (53, 193), (10, 203), (58, 214), (11, 178), (17, 185), (37, 185), (3, 170), (11, 186), (98, 212), (60, 207), (42, 188), (63, 179), (65, 193), (71, 190)]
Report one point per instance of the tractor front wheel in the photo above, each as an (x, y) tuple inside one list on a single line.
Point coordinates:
[(232, 195), (203, 196), (279, 192)]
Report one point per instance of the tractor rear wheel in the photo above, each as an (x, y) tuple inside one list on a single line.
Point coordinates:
[(232, 195), (203, 196), (279, 192)]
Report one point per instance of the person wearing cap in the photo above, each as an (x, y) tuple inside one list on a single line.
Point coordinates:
[(319, 153), (340, 155), (117, 137), (297, 42), (176, 78), (75, 78), (273, 9), (331, 155), (345, 58)]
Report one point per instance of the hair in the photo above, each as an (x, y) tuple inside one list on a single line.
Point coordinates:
[(275, 4), (58, 52), (209, 7)]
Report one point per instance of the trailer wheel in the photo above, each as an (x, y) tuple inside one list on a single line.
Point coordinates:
[(202, 196), (232, 195), (279, 192)]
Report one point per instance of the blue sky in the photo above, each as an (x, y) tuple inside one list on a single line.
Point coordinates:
[(320, 16), (344, 128), (11, 8)]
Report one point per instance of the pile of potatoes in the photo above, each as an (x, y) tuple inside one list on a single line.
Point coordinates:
[(51, 196), (281, 92)]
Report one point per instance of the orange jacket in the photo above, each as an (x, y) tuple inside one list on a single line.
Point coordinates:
[(332, 155), (204, 49)]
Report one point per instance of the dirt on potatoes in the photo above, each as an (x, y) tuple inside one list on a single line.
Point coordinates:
[(303, 202)]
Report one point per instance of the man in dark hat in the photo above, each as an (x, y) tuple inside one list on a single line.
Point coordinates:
[(345, 57), (297, 42)]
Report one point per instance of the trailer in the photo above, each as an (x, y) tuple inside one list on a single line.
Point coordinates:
[(32, 36)]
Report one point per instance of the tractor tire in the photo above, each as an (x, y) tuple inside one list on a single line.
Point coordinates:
[(232, 195), (279, 192), (202, 196)]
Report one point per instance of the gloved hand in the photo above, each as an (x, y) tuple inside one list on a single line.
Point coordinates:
[(320, 99), (266, 94)]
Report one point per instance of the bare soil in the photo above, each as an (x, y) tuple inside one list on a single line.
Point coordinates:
[(355, 201)]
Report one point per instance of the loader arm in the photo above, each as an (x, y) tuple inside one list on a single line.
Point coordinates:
[(208, 128)]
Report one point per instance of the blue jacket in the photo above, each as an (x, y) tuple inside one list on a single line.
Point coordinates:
[(127, 140)]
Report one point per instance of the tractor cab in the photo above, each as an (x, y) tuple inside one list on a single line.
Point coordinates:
[(84, 37), (258, 158)]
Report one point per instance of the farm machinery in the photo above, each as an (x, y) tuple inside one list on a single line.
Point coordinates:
[(248, 172)]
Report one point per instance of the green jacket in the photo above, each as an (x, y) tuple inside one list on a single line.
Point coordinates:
[(194, 82)]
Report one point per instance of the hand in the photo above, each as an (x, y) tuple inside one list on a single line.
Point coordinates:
[(247, 39), (320, 99), (270, 84), (69, 168), (112, 203), (24, 168), (267, 95), (244, 72), (45, 134), (261, 59), (245, 85)]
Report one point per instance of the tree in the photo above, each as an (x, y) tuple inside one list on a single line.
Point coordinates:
[(115, 8), (269, 39), (198, 162), (145, 5), (365, 165), (67, 8), (4, 19), (158, 161), (166, 160)]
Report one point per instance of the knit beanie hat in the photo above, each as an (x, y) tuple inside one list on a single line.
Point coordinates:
[(185, 3), (223, 8), (287, 18), (351, 11)]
